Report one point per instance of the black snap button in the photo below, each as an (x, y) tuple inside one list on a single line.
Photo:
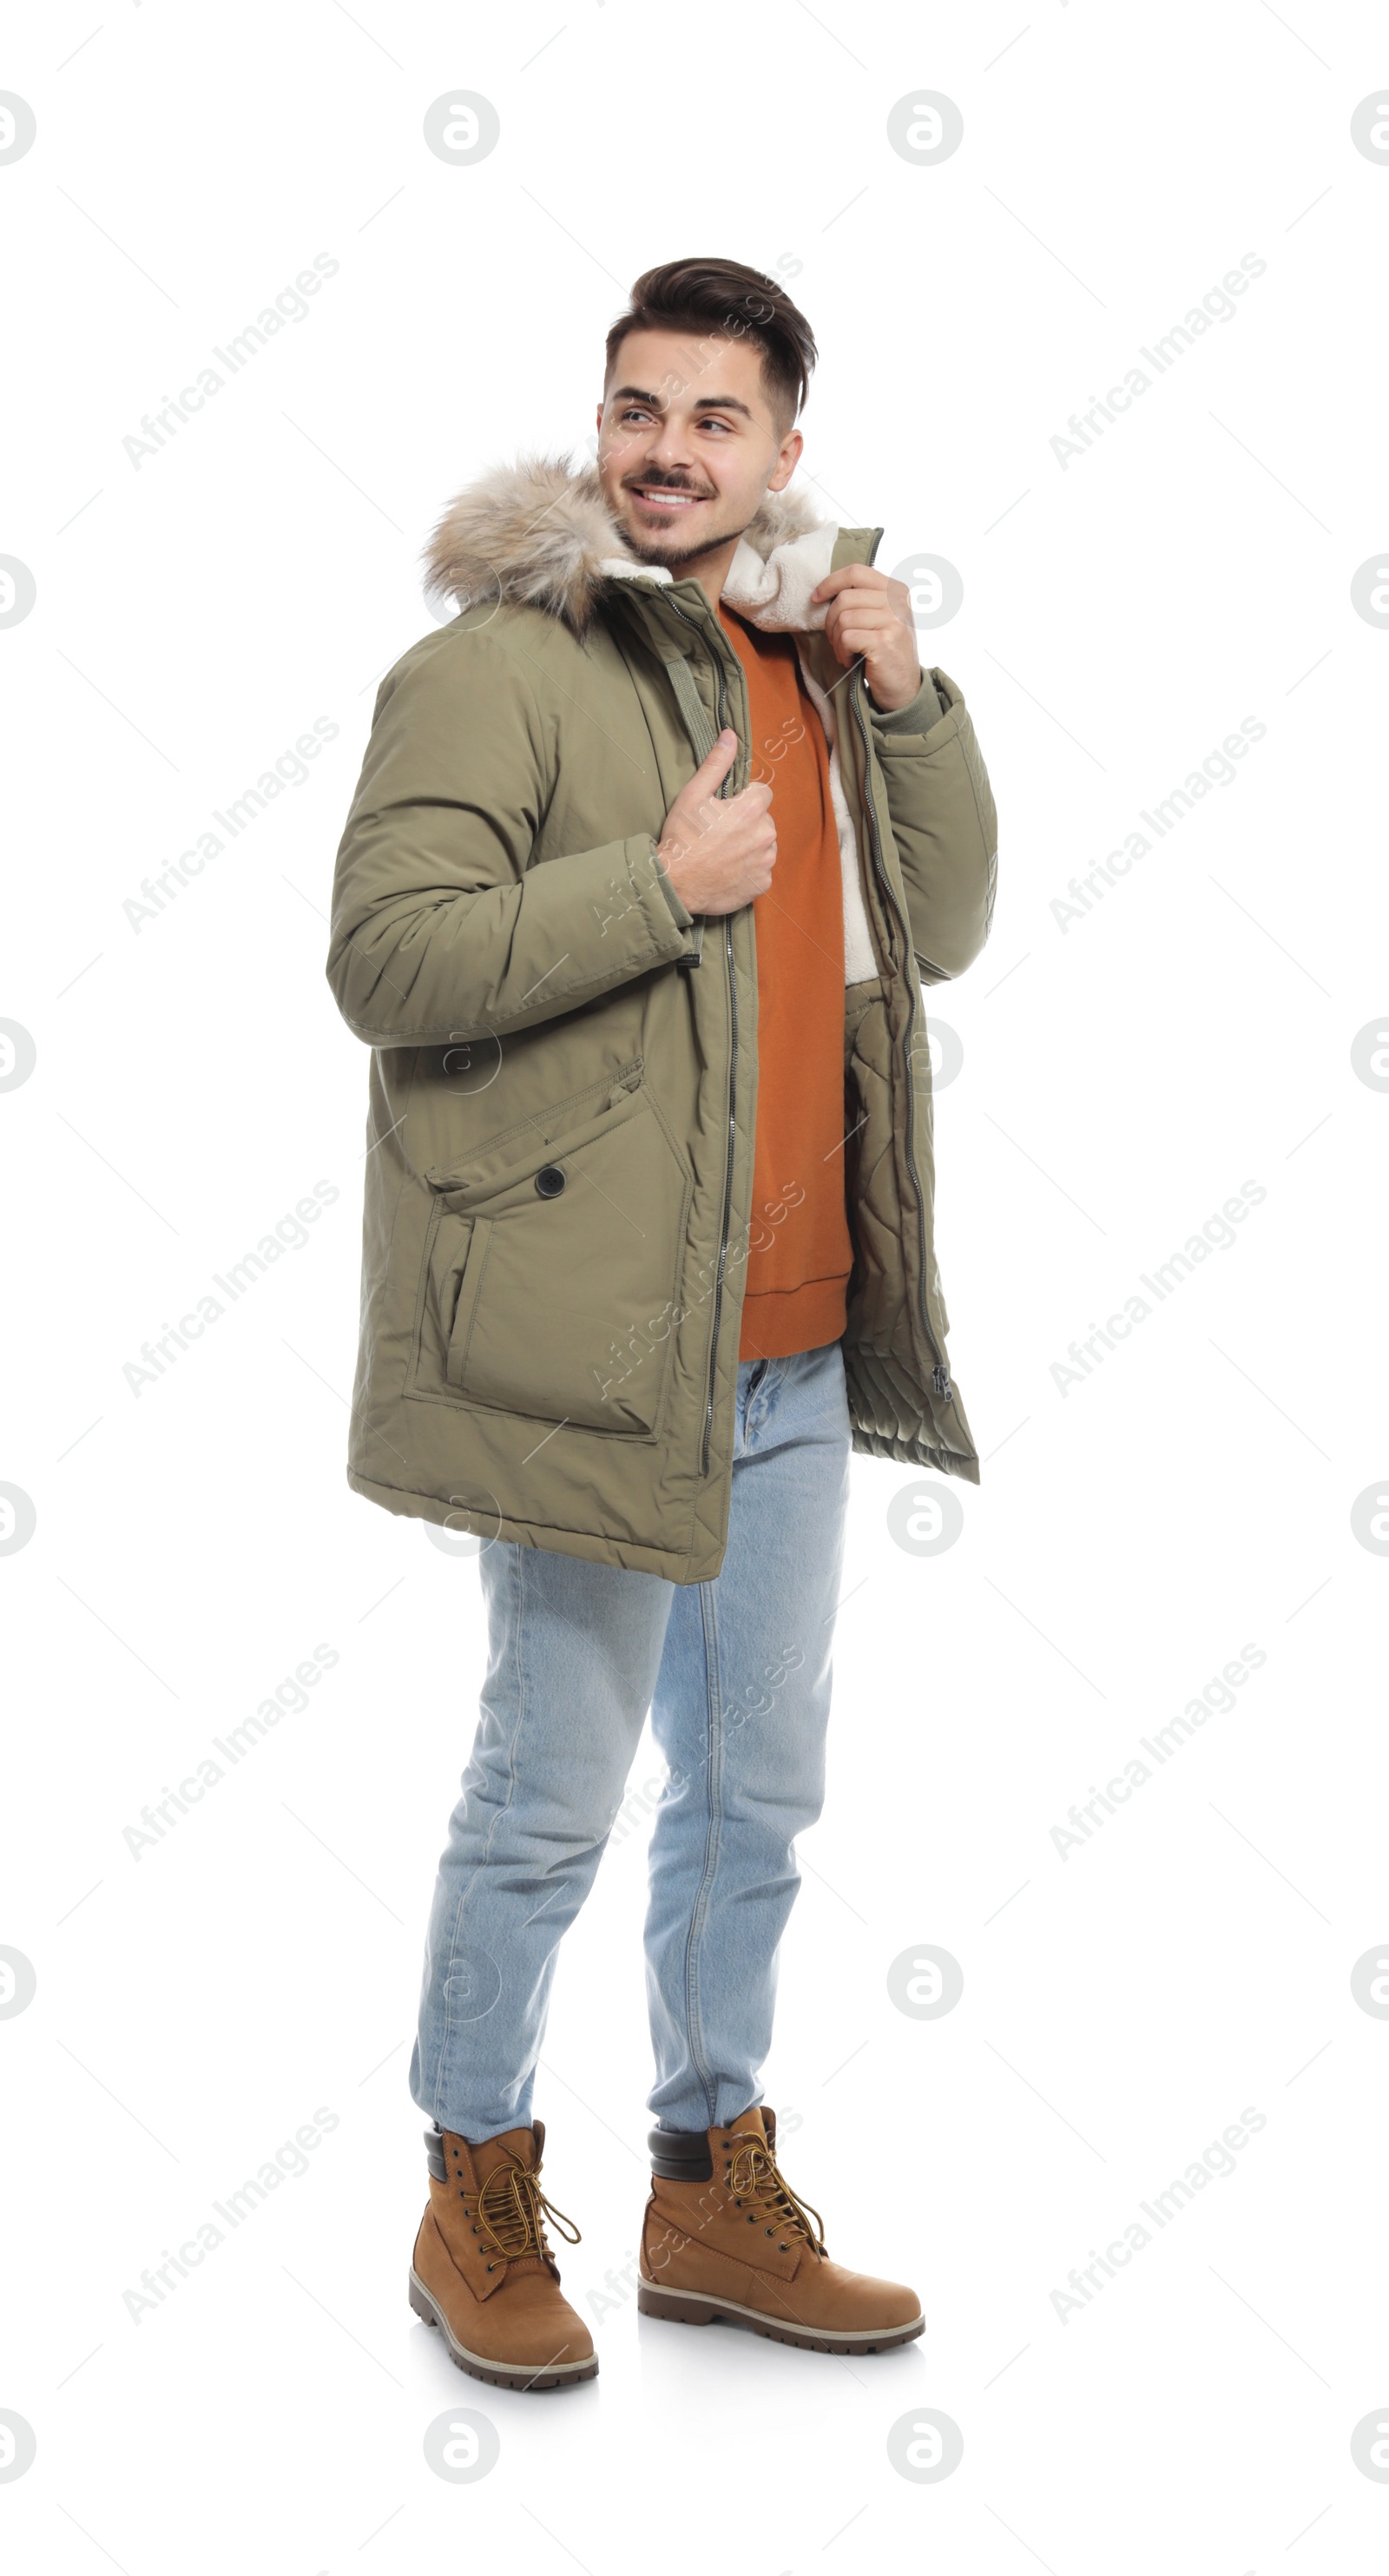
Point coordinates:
[(549, 1180)]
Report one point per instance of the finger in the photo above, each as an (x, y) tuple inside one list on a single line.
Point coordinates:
[(715, 766), (864, 639), (849, 576), (865, 610), (732, 813), (859, 615)]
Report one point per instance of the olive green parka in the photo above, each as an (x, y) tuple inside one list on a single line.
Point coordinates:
[(563, 1092)]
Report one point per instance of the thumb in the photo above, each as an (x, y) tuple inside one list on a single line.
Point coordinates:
[(716, 764)]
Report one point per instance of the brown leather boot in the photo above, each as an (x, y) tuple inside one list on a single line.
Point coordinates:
[(726, 2240), (482, 2270)]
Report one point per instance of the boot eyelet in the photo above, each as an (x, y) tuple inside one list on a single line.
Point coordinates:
[(781, 2249), (767, 2231), (491, 2267)]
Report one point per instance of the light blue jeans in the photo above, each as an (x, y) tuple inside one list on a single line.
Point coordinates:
[(736, 1675)]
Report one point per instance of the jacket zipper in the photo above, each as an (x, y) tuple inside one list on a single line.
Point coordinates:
[(722, 706), (940, 1375), (727, 1183)]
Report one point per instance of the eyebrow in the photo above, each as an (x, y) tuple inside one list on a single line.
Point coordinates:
[(706, 402)]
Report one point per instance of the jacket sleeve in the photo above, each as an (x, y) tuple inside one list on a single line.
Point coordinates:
[(943, 822), (442, 927)]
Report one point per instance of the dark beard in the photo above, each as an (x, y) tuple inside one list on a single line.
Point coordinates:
[(661, 556)]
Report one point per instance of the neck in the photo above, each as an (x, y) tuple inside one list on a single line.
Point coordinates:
[(710, 570)]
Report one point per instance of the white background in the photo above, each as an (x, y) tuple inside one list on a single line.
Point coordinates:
[(1122, 1077)]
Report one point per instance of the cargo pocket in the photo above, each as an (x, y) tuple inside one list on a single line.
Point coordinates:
[(552, 1268)]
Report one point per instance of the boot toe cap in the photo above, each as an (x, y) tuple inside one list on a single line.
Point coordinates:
[(857, 2301)]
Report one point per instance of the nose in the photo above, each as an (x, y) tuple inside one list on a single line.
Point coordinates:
[(670, 449)]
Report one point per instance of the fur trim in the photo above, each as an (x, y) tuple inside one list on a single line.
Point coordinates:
[(537, 532)]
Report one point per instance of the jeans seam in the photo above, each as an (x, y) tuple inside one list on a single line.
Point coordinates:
[(517, 1614), (699, 1909)]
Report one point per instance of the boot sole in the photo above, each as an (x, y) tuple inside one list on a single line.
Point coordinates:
[(683, 2308), (500, 2374)]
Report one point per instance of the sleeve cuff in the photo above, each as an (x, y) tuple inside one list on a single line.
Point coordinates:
[(684, 917), (917, 716)]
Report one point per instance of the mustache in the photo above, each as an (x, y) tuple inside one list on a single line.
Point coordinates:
[(664, 483)]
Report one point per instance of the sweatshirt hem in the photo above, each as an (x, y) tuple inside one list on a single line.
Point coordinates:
[(779, 1322)]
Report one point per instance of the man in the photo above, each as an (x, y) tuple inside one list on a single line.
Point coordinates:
[(654, 844)]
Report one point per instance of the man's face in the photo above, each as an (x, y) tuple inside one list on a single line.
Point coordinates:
[(687, 444)]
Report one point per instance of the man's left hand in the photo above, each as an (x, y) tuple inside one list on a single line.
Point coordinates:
[(871, 615)]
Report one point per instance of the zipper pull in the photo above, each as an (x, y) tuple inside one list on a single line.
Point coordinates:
[(940, 1381)]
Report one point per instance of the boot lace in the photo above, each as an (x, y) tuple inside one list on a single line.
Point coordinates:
[(512, 2210), (754, 2177)]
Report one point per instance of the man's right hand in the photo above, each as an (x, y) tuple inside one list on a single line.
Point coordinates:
[(719, 851)]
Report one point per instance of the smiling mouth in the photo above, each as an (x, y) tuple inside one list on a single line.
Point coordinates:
[(659, 496)]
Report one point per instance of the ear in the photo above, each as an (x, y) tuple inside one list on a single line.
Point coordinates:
[(598, 417), (788, 458)]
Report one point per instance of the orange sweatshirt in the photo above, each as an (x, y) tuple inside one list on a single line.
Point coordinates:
[(800, 1252)]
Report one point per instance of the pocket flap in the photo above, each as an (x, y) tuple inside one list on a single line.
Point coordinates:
[(551, 1136)]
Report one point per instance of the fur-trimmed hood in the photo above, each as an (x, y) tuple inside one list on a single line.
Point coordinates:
[(540, 534)]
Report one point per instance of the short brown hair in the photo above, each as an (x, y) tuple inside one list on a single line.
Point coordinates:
[(729, 302)]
